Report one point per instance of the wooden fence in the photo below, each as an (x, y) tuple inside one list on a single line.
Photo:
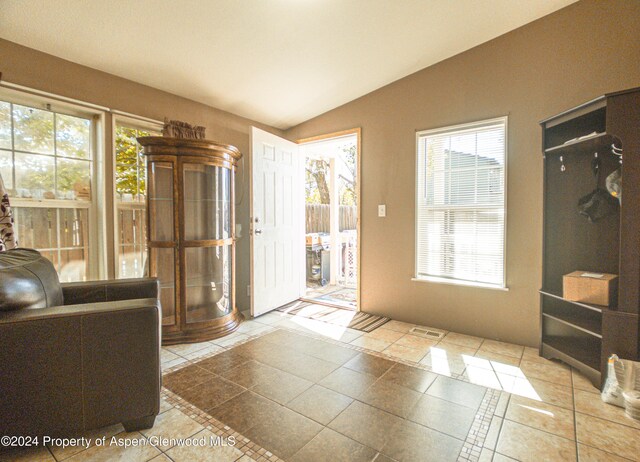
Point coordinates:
[(318, 218)]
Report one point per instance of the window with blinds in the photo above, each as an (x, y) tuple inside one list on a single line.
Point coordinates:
[(460, 203)]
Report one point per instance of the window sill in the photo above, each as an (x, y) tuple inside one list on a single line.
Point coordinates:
[(454, 282)]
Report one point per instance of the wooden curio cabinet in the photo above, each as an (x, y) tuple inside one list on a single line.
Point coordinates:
[(191, 224)]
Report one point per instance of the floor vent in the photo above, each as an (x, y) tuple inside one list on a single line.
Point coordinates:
[(427, 332)]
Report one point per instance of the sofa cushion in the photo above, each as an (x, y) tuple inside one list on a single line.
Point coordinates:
[(28, 280)]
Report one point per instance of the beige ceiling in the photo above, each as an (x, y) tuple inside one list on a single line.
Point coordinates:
[(279, 62)]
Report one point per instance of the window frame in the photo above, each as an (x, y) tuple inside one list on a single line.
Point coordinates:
[(420, 134), (137, 123), (95, 206)]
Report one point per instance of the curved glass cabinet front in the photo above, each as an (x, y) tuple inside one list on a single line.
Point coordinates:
[(162, 233), (207, 232), (191, 236)]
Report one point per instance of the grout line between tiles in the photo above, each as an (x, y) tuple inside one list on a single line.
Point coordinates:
[(476, 437), (216, 427), (607, 452), (575, 417), (543, 430), (504, 417), (51, 453)]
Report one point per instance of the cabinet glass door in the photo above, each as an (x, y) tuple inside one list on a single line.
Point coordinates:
[(163, 260), (208, 282), (161, 201), (161, 206), (207, 202)]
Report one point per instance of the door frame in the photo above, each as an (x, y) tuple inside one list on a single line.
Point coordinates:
[(358, 132)]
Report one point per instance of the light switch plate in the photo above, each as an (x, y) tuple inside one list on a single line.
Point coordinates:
[(382, 210)]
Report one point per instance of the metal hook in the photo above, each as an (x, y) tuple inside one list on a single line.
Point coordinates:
[(616, 151)]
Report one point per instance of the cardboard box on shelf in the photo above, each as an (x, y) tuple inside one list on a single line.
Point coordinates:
[(590, 287)]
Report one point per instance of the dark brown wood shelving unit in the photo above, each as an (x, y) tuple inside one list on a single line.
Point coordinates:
[(598, 141), (588, 306), (580, 353), (588, 322), (584, 335)]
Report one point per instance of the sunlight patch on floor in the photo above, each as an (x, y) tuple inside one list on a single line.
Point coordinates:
[(480, 371), (488, 373), (538, 410), (340, 317), (310, 310), (481, 376), (439, 362), (293, 306), (333, 331)]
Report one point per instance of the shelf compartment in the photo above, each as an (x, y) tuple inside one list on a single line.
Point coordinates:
[(589, 306), (586, 325), (589, 144), (583, 351), (571, 242), (553, 349), (576, 125), (586, 349)]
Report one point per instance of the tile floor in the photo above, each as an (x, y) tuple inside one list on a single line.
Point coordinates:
[(298, 389)]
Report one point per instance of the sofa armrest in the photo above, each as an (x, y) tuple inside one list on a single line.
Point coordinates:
[(76, 311), (109, 291), (73, 368)]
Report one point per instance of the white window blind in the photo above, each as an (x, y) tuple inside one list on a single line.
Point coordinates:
[(460, 203)]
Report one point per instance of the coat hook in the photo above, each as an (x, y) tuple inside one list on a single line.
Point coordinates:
[(615, 150)]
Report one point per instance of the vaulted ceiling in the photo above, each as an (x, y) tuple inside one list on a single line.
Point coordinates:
[(279, 62)]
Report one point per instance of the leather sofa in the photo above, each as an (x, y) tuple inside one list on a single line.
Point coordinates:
[(75, 357)]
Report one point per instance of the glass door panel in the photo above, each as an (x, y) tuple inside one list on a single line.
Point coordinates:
[(207, 202), (161, 201), (163, 261), (208, 282)]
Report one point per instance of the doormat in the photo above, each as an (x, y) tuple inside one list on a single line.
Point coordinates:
[(364, 322)]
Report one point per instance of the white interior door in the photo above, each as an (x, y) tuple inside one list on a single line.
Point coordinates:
[(277, 222)]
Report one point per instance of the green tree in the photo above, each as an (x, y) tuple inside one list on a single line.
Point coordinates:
[(130, 162), (348, 195), (318, 173), (36, 170)]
